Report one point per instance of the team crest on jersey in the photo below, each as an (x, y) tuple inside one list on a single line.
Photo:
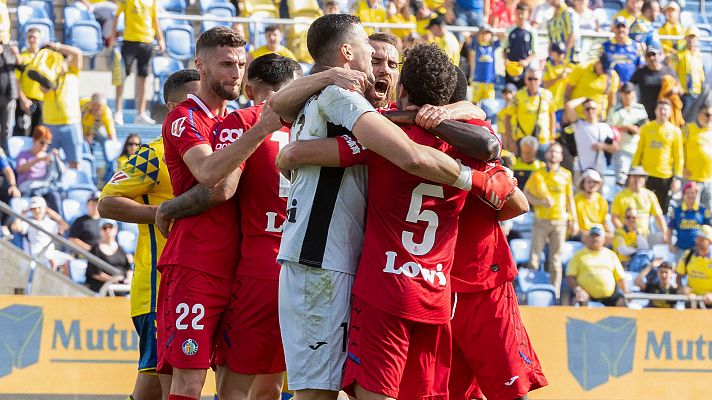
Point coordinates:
[(178, 127), (190, 347), (118, 177)]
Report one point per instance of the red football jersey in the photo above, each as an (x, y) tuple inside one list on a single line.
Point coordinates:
[(483, 259), (410, 234), (209, 241), (262, 195)]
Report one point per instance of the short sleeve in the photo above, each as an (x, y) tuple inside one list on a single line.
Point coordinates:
[(351, 152), (121, 7), (137, 176), (575, 75), (342, 107), (655, 209), (680, 270), (618, 272), (181, 130), (616, 206), (573, 267)]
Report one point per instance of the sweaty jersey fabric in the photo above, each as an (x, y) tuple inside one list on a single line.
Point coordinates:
[(410, 235), (326, 206), (208, 242), (144, 178)]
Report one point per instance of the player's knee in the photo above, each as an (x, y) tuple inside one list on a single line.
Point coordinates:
[(188, 383)]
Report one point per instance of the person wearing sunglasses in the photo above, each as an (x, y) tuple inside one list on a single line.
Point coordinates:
[(132, 143), (629, 240), (38, 169), (592, 137), (698, 159), (534, 112)]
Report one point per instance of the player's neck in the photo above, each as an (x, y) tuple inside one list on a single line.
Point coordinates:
[(212, 101)]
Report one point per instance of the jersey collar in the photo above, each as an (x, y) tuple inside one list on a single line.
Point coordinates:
[(202, 105), (694, 208)]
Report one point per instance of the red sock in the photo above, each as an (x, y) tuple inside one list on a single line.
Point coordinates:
[(179, 397)]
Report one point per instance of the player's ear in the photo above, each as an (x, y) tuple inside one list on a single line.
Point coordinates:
[(199, 65), (347, 52), (401, 93), (249, 91)]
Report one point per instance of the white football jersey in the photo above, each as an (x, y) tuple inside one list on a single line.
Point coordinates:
[(326, 206)]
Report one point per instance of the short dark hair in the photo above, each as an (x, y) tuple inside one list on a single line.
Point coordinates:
[(385, 38), (219, 36), (273, 70), (523, 7), (648, 5), (428, 76), (460, 92), (664, 101), (173, 87), (272, 28), (327, 33)]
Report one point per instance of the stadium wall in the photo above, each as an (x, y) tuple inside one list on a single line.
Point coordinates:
[(87, 348)]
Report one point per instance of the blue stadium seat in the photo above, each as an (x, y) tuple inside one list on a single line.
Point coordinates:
[(127, 240), (71, 16), (222, 10), (180, 43), (77, 270), (206, 4), (569, 249), (541, 295), (177, 6), (689, 18), (19, 204), (523, 223), (45, 5), (208, 24), (528, 277), (72, 209), (45, 25), (81, 195), (16, 144), (26, 13), (167, 21), (113, 148), (162, 68), (87, 36), (520, 250), (614, 4)]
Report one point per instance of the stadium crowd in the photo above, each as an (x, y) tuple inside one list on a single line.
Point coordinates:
[(609, 144)]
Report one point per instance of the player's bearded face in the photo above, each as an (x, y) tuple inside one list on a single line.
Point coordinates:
[(385, 70), (224, 71)]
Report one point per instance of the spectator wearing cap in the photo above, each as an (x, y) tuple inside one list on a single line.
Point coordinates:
[(591, 207), (629, 240), (695, 265), (627, 118), (660, 154), (503, 13), (85, 231), (534, 111), (519, 45), (643, 30), (649, 78), (663, 283), (686, 219), (444, 39), (596, 80), (550, 191), (690, 68), (482, 62), (626, 54), (556, 73), (591, 136), (595, 273), (563, 27), (697, 142), (587, 20), (41, 244), (636, 196), (108, 249), (671, 27), (527, 162), (631, 12)]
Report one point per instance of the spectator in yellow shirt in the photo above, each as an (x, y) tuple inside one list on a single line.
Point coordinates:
[(660, 154), (444, 39), (534, 111), (556, 72), (591, 207), (697, 142), (635, 195), (370, 11), (30, 96), (695, 265), (628, 240), (96, 114), (273, 37), (399, 12), (504, 117), (550, 191), (631, 11), (595, 80), (690, 68), (527, 162), (671, 27), (141, 29), (596, 274)]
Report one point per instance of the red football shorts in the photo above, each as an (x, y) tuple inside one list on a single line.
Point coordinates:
[(250, 341), (491, 351), (190, 306), (396, 357)]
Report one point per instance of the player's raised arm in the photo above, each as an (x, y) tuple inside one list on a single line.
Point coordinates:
[(290, 99)]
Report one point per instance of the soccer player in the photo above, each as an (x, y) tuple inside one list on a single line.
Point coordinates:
[(132, 195), (383, 374), (249, 354), (324, 231), (199, 260)]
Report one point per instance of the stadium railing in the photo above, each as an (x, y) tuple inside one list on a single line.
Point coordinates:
[(695, 300)]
